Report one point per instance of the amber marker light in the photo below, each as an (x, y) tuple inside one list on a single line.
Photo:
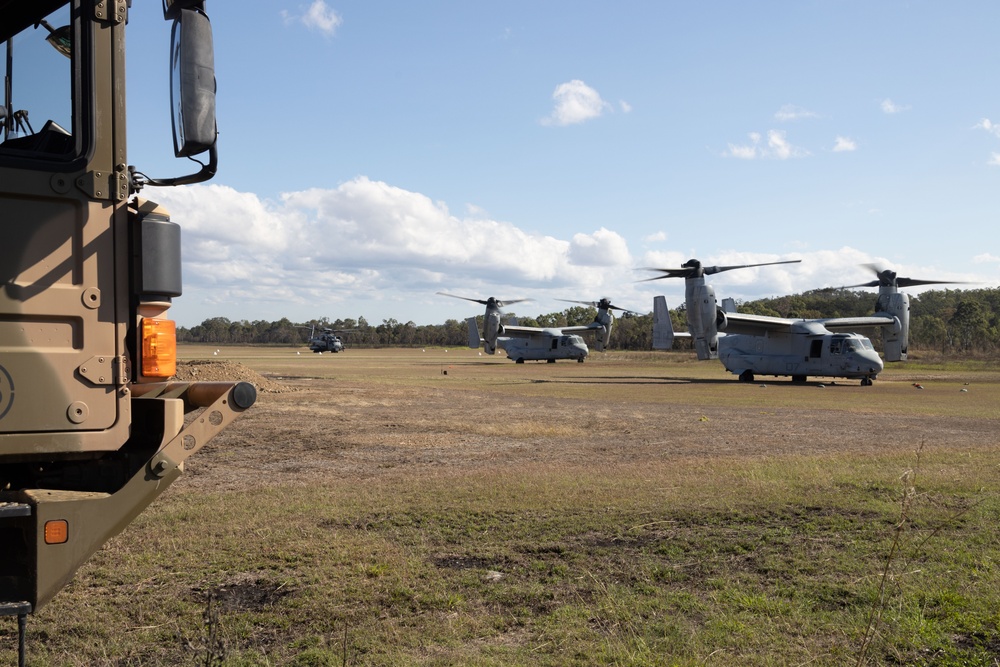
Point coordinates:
[(57, 531), (159, 347)]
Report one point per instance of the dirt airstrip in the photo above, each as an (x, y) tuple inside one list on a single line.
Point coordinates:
[(364, 414)]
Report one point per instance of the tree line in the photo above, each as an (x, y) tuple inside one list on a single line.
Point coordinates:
[(948, 321)]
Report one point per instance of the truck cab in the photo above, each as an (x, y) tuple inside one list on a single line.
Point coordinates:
[(92, 427)]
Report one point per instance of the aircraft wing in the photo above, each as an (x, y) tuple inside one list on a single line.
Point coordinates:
[(589, 327), (528, 332), (523, 332), (852, 323), (741, 323)]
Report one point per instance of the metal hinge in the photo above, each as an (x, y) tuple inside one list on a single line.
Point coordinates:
[(104, 185), (104, 370), (115, 11)]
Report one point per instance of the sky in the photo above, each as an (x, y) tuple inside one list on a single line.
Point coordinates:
[(373, 153)]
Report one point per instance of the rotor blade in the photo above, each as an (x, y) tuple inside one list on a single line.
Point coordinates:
[(499, 303), (912, 282), (669, 273), (505, 302), (709, 270), (889, 277), (597, 304), (694, 269), (455, 296), (592, 304)]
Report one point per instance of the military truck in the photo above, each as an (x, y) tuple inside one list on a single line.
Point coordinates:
[(92, 428)]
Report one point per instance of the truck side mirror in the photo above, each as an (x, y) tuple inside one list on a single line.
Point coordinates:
[(192, 83)]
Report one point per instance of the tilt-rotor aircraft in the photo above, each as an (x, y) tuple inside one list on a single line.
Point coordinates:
[(537, 343), (749, 345)]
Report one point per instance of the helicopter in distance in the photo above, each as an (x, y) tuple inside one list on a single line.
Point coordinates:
[(328, 340), (537, 343), (749, 345)]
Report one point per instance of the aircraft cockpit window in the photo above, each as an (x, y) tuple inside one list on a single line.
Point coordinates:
[(867, 344), (36, 115), (835, 345)]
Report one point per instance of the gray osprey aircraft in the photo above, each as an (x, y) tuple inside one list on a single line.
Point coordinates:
[(537, 343), (757, 344)]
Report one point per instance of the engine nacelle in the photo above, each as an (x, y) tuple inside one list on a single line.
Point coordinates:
[(721, 321), (603, 338), (895, 339), (702, 307)]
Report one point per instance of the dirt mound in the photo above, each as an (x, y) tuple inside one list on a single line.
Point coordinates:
[(225, 371)]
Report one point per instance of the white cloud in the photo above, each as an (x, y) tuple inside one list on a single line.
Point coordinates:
[(576, 102), (625, 106), (790, 112), (368, 240), (986, 258), (777, 147), (745, 151), (844, 144), (989, 126), (317, 16), (656, 237), (602, 248), (371, 249), (994, 129), (890, 107)]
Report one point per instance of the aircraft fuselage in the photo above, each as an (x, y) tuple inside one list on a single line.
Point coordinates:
[(799, 355), (544, 347)]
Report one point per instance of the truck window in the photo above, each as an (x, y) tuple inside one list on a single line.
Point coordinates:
[(37, 107)]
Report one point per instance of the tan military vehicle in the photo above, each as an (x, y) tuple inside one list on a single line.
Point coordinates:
[(91, 427)]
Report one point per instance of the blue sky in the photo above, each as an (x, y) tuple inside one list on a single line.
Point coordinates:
[(374, 153)]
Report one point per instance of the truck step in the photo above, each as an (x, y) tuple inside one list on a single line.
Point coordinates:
[(14, 608), (8, 510)]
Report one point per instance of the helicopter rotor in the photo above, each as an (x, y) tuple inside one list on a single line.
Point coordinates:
[(693, 268)]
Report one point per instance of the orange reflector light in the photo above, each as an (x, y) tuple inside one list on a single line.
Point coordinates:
[(159, 347), (57, 531)]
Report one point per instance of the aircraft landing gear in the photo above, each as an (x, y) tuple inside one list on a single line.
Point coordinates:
[(866, 382), (746, 376), (798, 378), (580, 360), (519, 361)]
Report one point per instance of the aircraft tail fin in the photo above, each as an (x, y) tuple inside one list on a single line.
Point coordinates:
[(474, 340), (729, 305), (663, 330)]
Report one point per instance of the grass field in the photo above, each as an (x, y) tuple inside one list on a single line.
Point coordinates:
[(433, 507)]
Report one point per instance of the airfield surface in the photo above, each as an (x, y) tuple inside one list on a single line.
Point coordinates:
[(362, 414), (443, 507)]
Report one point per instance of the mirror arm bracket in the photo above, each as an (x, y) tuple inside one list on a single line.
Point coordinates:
[(139, 180)]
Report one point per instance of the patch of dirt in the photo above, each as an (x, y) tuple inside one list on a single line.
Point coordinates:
[(244, 591), (324, 431), (225, 371)]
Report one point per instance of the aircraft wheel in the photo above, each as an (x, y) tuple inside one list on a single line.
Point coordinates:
[(519, 361), (746, 376), (580, 360), (866, 382), (798, 378)]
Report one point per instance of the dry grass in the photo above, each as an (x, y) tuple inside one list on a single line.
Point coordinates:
[(439, 508)]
